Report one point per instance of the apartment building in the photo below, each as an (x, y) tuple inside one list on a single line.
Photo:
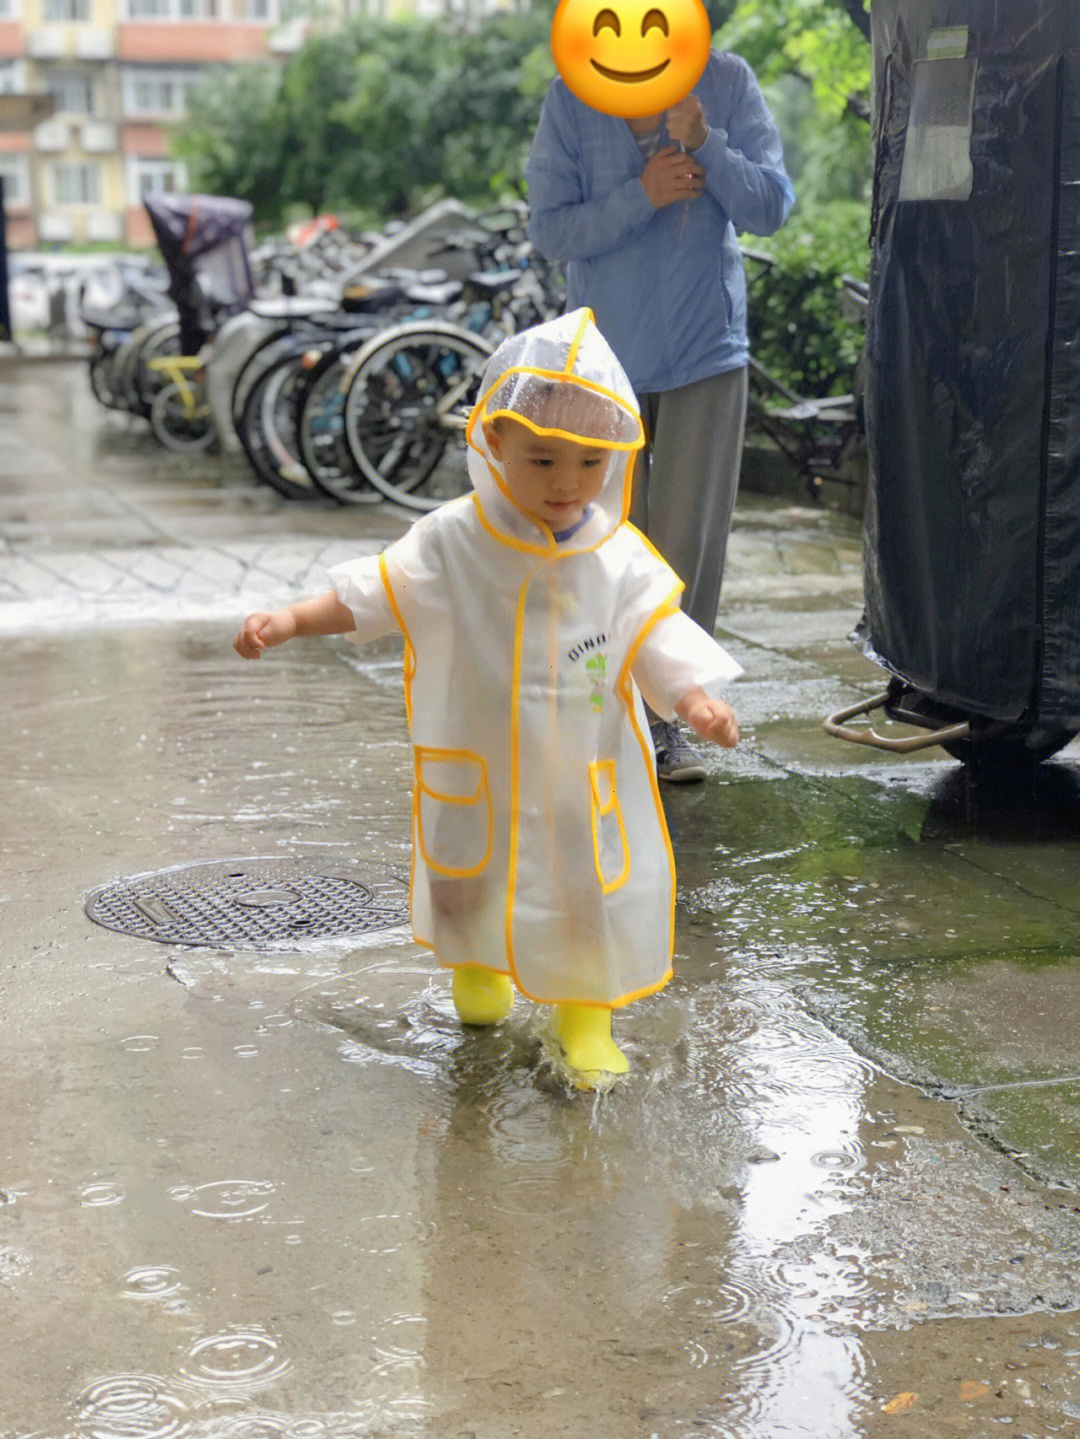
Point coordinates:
[(119, 75)]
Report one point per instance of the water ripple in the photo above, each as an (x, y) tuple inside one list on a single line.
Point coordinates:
[(723, 1302), (535, 1196), (140, 1043), (268, 1424), (845, 1160), (99, 1193), (524, 1132), (778, 1335), (152, 1281), (237, 1360), (129, 1406), (226, 1198), (390, 1233)]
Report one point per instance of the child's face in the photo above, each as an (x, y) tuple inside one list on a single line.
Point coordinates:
[(553, 479)]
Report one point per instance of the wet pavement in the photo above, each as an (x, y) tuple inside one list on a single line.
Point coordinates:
[(256, 1192)]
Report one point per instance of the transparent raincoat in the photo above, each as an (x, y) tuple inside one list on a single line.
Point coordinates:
[(539, 843)]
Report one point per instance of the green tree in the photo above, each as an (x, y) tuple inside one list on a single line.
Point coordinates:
[(821, 42), (813, 60), (376, 119), (317, 86), (238, 143)]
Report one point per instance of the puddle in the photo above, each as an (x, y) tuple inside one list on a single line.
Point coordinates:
[(288, 1195)]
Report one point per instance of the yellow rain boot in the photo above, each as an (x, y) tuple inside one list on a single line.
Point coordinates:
[(481, 996), (591, 1058)]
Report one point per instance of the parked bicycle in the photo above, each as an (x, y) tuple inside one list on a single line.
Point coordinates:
[(180, 414), (338, 372)]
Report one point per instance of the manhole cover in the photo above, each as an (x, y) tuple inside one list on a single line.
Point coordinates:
[(249, 903)]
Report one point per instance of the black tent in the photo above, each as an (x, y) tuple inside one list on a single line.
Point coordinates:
[(5, 310), (972, 545)]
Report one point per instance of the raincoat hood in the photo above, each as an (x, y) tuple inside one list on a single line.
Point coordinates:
[(560, 378)]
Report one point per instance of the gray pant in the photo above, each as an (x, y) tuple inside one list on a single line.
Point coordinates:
[(686, 478)]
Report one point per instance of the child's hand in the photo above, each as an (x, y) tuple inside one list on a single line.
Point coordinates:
[(711, 719), (260, 631)]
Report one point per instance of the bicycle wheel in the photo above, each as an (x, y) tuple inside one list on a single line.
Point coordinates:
[(102, 380), (324, 447), (159, 336), (253, 367), (178, 426), (145, 382), (267, 429), (406, 409)]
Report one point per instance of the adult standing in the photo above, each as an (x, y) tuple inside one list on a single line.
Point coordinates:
[(644, 214)]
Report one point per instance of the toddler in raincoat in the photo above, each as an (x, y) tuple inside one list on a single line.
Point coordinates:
[(535, 618)]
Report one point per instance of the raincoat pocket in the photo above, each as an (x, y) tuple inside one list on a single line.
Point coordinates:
[(454, 818), (611, 853)]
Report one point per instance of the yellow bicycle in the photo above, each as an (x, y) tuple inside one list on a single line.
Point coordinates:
[(180, 413)]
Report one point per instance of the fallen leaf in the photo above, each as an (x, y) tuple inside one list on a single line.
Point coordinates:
[(901, 1403), (972, 1389)]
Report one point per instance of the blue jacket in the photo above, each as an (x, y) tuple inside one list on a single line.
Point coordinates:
[(666, 286)]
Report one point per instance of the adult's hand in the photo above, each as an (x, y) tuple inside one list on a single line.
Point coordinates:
[(686, 122), (671, 176)]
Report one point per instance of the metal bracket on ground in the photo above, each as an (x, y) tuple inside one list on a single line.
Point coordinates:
[(836, 725)]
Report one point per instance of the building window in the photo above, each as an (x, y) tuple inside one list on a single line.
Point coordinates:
[(173, 9), (67, 9), (154, 177), (153, 90), (16, 177), (77, 184), (72, 92), (266, 12), (9, 10), (12, 77)]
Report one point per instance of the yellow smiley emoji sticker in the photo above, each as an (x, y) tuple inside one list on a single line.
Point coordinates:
[(631, 57)]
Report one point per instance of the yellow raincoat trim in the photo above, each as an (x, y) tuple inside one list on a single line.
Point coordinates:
[(624, 684), (512, 540), (408, 672), (480, 416), (515, 781), (602, 772), (428, 762), (575, 344), (408, 665)]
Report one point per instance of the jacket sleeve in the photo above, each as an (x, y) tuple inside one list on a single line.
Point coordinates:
[(744, 163), (563, 224), (361, 590), (674, 657), (668, 655)]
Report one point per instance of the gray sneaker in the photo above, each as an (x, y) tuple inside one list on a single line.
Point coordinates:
[(677, 760)]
